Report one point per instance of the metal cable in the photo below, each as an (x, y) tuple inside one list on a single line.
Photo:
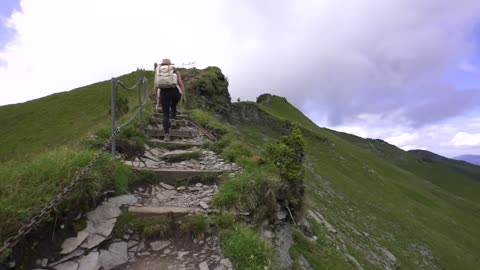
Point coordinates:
[(27, 228), (130, 88)]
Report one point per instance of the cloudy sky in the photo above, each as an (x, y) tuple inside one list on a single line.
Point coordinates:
[(407, 71)]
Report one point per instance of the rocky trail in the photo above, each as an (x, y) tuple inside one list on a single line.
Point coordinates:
[(187, 180)]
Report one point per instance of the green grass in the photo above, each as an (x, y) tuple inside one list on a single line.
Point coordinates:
[(360, 186), (146, 226), (235, 151), (225, 220), (195, 225), (206, 120), (27, 187), (45, 142), (60, 119), (369, 186), (321, 254), (246, 249), (252, 190)]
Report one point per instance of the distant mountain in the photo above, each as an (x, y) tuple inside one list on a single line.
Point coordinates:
[(474, 159)]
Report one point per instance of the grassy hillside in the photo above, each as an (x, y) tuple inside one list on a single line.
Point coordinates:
[(385, 207), (381, 199), (43, 144), (60, 119)]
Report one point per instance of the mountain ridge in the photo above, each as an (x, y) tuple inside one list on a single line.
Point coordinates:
[(380, 205), (473, 159)]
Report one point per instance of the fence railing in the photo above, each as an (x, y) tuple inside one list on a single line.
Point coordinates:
[(141, 82), (35, 221)]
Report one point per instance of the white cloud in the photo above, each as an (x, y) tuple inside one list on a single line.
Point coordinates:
[(435, 137), (466, 139), (365, 66), (61, 45), (403, 139)]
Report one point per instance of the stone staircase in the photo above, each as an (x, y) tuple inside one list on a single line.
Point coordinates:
[(184, 181)]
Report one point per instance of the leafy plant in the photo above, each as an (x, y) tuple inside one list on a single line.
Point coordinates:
[(287, 155)]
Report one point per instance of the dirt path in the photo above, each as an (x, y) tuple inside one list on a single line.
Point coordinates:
[(183, 186)]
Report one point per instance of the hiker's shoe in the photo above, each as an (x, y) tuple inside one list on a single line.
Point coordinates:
[(173, 123), (166, 137)]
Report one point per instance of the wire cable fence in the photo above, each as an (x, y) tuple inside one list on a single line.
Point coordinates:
[(36, 220)]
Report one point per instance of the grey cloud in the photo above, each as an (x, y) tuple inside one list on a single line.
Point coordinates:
[(355, 57)]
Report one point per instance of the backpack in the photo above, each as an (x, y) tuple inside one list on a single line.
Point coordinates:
[(166, 77)]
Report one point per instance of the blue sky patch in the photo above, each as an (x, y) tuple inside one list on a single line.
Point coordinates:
[(7, 7)]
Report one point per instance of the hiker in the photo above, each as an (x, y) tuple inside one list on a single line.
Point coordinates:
[(169, 81)]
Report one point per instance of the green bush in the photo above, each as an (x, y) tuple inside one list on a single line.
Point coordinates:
[(287, 155)]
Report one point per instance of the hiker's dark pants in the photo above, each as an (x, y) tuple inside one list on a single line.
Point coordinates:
[(169, 98)]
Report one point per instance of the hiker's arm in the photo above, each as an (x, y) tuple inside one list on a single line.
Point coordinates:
[(180, 82)]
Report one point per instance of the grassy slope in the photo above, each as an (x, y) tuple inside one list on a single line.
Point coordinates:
[(404, 205), (40, 149), (59, 119)]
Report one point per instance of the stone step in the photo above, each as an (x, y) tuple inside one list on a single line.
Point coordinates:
[(173, 133), (172, 144), (181, 155), (162, 210), (174, 175)]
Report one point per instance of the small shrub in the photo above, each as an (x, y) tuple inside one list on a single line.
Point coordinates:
[(287, 155), (196, 225), (225, 221)]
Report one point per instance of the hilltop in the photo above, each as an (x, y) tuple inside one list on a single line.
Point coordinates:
[(367, 204)]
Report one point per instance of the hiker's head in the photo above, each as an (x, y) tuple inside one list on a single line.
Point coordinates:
[(166, 62), (155, 65)]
